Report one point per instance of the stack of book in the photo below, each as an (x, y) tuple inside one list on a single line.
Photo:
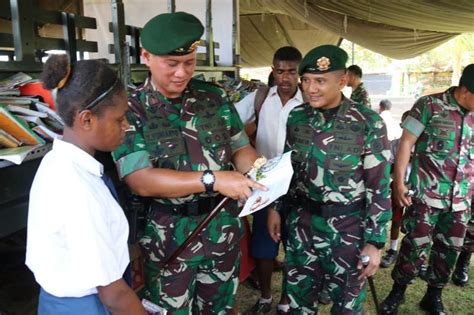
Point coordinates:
[(26, 122)]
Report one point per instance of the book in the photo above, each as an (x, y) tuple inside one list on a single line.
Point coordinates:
[(8, 140), (17, 155), (17, 128), (46, 133), (53, 120), (14, 80), (10, 92), (25, 111)]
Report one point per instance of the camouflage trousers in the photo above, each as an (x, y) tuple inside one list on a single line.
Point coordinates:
[(323, 250), (468, 245), (425, 226), (204, 279)]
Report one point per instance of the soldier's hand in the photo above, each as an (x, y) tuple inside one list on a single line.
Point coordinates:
[(274, 224), (235, 185), (374, 261), (400, 196)]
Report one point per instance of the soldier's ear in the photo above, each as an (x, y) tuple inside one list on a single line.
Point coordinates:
[(146, 56), (343, 79)]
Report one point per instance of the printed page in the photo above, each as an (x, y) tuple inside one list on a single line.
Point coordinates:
[(276, 175)]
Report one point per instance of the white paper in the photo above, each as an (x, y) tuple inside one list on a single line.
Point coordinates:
[(276, 176)]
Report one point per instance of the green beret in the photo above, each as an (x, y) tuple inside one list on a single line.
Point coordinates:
[(175, 33), (467, 78), (323, 59)]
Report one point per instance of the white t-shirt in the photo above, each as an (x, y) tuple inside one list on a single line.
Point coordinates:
[(271, 129), (394, 131), (77, 232)]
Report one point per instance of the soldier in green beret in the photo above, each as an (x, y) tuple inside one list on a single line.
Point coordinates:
[(440, 130), (185, 149), (339, 197)]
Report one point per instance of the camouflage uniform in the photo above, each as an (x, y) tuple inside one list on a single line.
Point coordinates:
[(340, 200), (441, 175), (198, 132), (360, 95), (468, 245)]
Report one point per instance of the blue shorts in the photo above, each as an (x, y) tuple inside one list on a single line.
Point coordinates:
[(49, 304), (261, 244)]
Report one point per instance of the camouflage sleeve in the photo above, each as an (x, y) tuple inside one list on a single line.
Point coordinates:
[(377, 182), (132, 155), (418, 117), (366, 100)]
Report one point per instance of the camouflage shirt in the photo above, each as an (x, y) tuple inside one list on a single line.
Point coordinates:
[(360, 95), (199, 131), (442, 165), (341, 159)]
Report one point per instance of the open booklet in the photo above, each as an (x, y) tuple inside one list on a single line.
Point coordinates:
[(276, 175)]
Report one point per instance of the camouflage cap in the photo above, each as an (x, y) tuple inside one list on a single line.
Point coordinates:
[(175, 33), (323, 59), (467, 78)]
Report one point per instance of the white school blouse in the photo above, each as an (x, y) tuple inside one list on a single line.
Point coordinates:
[(77, 232)]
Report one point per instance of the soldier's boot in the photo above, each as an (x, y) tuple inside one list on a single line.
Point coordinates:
[(389, 258), (461, 272), (432, 302), (396, 297)]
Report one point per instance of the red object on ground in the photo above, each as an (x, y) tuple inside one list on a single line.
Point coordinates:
[(247, 263), (36, 89)]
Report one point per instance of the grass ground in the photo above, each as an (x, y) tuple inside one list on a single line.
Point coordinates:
[(458, 301)]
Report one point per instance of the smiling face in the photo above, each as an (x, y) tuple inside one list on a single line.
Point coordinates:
[(170, 74), (323, 90), (285, 74)]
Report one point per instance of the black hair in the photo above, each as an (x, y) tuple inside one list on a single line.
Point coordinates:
[(386, 104), (355, 69), (87, 80), (287, 53), (271, 79)]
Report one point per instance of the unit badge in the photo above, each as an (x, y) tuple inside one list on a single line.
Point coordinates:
[(323, 63)]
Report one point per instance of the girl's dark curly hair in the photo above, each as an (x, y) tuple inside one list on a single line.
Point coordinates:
[(85, 82)]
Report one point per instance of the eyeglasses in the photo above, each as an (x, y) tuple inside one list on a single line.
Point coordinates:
[(101, 97)]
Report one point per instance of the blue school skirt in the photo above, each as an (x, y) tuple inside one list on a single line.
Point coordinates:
[(87, 305)]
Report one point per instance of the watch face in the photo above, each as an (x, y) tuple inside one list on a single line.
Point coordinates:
[(208, 179)]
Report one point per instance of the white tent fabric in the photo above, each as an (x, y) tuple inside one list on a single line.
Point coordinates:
[(398, 29)]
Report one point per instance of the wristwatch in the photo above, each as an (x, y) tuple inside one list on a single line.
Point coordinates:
[(208, 179)]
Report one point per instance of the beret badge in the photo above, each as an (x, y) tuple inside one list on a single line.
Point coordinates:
[(323, 63), (194, 46)]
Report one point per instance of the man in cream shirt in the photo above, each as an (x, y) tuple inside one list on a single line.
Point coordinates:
[(270, 119)]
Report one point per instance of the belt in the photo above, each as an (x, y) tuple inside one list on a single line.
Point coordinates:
[(327, 211), (194, 208)]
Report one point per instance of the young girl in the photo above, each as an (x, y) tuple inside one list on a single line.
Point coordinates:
[(77, 232)]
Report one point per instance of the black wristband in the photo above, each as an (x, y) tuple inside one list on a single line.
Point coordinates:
[(208, 179)]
